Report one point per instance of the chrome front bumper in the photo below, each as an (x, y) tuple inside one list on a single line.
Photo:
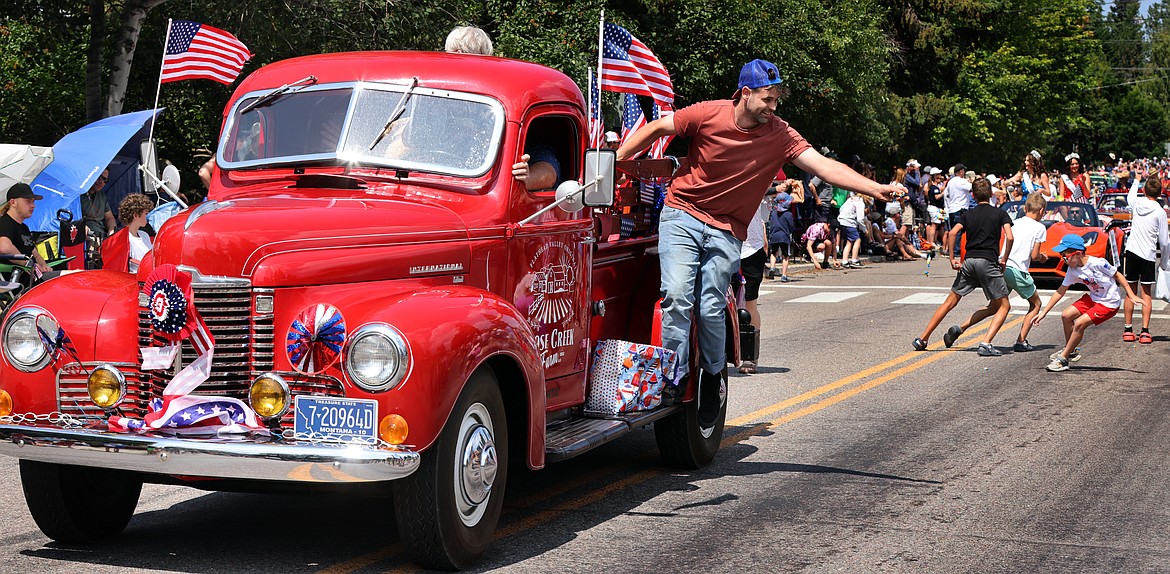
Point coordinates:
[(257, 458)]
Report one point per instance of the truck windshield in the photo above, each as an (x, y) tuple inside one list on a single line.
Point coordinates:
[(439, 131)]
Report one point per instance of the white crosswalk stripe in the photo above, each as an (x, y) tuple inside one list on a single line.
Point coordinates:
[(827, 297), (924, 295)]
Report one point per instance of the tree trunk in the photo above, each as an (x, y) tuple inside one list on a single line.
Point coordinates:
[(132, 19), (93, 61)]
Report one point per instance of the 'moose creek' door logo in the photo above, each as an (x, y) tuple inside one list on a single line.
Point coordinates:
[(553, 290)]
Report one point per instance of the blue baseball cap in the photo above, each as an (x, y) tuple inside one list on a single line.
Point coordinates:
[(758, 74), (1070, 242), (783, 201)]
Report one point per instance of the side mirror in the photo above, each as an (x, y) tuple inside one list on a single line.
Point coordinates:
[(599, 177), (597, 191), (170, 178)]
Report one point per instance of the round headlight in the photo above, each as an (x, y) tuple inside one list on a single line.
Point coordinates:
[(107, 386), (269, 396), (376, 357), (23, 346)]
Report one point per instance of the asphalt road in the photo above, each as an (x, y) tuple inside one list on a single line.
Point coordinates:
[(848, 452)]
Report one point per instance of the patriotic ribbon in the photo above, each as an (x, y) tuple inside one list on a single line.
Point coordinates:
[(173, 316), (58, 344)]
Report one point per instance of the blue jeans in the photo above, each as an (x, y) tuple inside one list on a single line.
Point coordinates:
[(697, 263)]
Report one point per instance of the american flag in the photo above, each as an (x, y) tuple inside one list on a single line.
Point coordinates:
[(198, 51), (629, 66), (658, 148), (632, 117), (596, 120)]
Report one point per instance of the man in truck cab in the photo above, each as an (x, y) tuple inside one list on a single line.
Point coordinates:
[(543, 172), (736, 147)]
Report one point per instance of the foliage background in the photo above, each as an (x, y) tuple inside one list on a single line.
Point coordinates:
[(945, 81)]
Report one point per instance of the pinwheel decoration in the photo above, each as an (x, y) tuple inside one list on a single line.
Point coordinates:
[(315, 338)]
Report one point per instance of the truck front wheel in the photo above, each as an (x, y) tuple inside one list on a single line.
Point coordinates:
[(683, 442), (76, 504), (447, 510)]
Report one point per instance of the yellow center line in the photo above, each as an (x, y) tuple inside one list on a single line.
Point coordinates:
[(593, 496), (771, 409)]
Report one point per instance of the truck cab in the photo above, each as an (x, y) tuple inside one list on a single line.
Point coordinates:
[(370, 293)]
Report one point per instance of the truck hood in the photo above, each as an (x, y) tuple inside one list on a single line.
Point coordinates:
[(296, 241)]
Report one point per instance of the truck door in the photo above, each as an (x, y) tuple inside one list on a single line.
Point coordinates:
[(552, 256)]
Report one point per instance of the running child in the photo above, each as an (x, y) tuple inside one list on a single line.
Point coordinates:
[(984, 227), (1097, 306), (1029, 235)]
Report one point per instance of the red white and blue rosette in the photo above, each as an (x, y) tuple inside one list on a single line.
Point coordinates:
[(171, 305), (315, 339)]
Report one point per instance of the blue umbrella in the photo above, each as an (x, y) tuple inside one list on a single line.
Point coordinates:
[(78, 160)]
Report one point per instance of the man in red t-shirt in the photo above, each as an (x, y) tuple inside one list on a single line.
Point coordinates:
[(736, 147)]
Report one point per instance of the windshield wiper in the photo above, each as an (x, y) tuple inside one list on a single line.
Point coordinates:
[(285, 89), (398, 109)]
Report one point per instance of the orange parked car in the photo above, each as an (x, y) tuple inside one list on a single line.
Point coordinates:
[(1064, 217)]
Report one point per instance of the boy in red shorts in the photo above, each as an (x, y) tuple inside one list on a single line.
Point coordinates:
[(1102, 301)]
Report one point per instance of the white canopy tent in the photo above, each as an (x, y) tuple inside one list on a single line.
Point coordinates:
[(21, 163)]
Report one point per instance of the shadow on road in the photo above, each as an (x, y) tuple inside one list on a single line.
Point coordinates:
[(543, 510)]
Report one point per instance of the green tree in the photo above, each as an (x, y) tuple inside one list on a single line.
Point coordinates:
[(984, 82), (41, 75)]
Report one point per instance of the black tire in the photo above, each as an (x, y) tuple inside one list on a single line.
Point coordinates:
[(683, 443), (438, 519), (77, 504)]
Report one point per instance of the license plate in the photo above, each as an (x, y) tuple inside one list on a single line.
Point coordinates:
[(335, 417)]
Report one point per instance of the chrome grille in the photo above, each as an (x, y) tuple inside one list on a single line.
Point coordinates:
[(244, 349), (73, 392), (226, 308)]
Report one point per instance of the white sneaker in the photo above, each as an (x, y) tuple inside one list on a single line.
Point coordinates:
[(1058, 364), (1076, 356)]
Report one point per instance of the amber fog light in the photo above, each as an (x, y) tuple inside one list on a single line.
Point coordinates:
[(5, 403), (269, 396), (107, 386), (393, 429)]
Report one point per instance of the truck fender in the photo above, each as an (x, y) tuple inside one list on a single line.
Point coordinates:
[(452, 332), (86, 306)]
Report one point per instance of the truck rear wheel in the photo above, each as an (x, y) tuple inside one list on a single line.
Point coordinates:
[(447, 510), (683, 442), (76, 504)]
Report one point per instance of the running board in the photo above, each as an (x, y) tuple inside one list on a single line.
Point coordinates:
[(567, 439)]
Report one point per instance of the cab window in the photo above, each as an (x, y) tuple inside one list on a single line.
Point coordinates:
[(552, 139)]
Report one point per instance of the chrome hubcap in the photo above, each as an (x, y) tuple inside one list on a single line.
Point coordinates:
[(476, 465), (479, 466)]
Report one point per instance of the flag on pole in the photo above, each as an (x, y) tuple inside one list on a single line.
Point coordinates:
[(629, 66), (198, 51), (658, 148), (596, 120), (632, 116)]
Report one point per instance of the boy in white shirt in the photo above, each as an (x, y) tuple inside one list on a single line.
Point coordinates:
[(1029, 235), (1147, 234), (1097, 306)]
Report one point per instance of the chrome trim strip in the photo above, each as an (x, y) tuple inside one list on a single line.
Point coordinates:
[(245, 458), (339, 156)]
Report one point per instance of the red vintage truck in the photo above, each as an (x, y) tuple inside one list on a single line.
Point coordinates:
[(370, 290)]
